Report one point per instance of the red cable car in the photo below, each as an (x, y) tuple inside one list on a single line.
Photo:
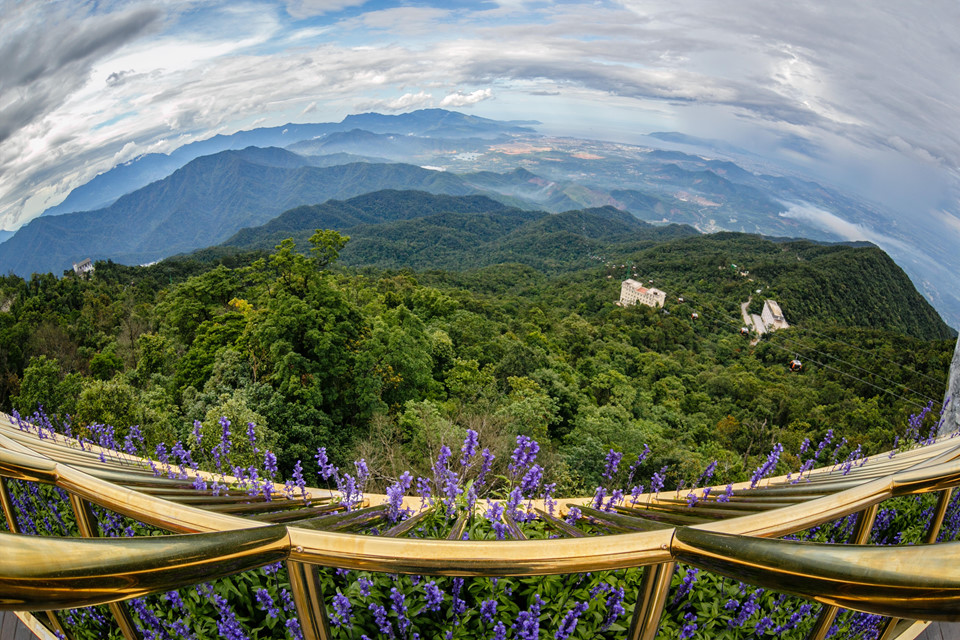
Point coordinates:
[(796, 365), (745, 331)]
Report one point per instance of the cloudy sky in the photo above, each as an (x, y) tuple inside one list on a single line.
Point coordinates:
[(860, 94)]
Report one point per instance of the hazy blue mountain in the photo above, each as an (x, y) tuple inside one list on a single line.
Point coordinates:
[(105, 188), (201, 204), (525, 185), (393, 146), (436, 123)]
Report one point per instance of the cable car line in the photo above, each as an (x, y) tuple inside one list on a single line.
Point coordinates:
[(723, 322), (852, 346), (737, 323), (893, 382), (911, 401)]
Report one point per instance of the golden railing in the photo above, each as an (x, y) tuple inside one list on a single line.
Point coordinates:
[(230, 534)]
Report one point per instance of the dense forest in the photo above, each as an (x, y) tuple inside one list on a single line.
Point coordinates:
[(388, 365)]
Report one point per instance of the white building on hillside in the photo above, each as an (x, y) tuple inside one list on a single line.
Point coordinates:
[(772, 316), (83, 267), (632, 292)]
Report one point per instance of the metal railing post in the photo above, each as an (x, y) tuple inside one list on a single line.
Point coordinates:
[(861, 534), (6, 502), (308, 597), (86, 523), (651, 601)]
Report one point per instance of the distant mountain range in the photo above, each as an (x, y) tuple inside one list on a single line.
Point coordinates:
[(205, 192), (107, 187)]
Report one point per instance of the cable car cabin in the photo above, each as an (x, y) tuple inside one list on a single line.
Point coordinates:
[(680, 299), (694, 315), (745, 331), (796, 365)]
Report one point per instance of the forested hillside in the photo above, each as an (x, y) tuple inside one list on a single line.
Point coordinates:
[(846, 284), (387, 365)]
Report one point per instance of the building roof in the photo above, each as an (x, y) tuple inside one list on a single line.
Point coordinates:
[(774, 308)]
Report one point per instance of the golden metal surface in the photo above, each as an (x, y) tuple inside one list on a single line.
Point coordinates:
[(917, 581), (41, 573), (6, 503), (933, 529), (900, 581), (651, 601), (860, 535), (308, 598), (55, 623)]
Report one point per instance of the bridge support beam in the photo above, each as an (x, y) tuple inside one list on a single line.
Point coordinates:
[(86, 522), (7, 504), (308, 597), (861, 534), (651, 601)]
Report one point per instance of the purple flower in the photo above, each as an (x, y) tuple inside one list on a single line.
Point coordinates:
[(573, 515), (469, 448), (531, 480), (494, 515), (395, 493), (293, 627), (488, 610), (252, 437), (690, 626), (265, 602), (270, 464), (569, 623), (746, 610), (174, 599), (686, 585), (636, 465), (432, 596), (423, 489), (548, 500), (824, 443), (524, 455), (527, 625), (398, 604), (656, 482), (768, 466), (484, 467), (707, 473), (380, 616), (612, 462), (327, 470), (459, 606), (598, 497), (513, 501), (615, 498), (362, 472), (614, 608), (228, 625), (299, 480), (364, 584), (762, 626)]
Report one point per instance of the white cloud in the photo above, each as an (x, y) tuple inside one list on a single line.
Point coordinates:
[(405, 102), (460, 99), (832, 223), (301, 9)]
